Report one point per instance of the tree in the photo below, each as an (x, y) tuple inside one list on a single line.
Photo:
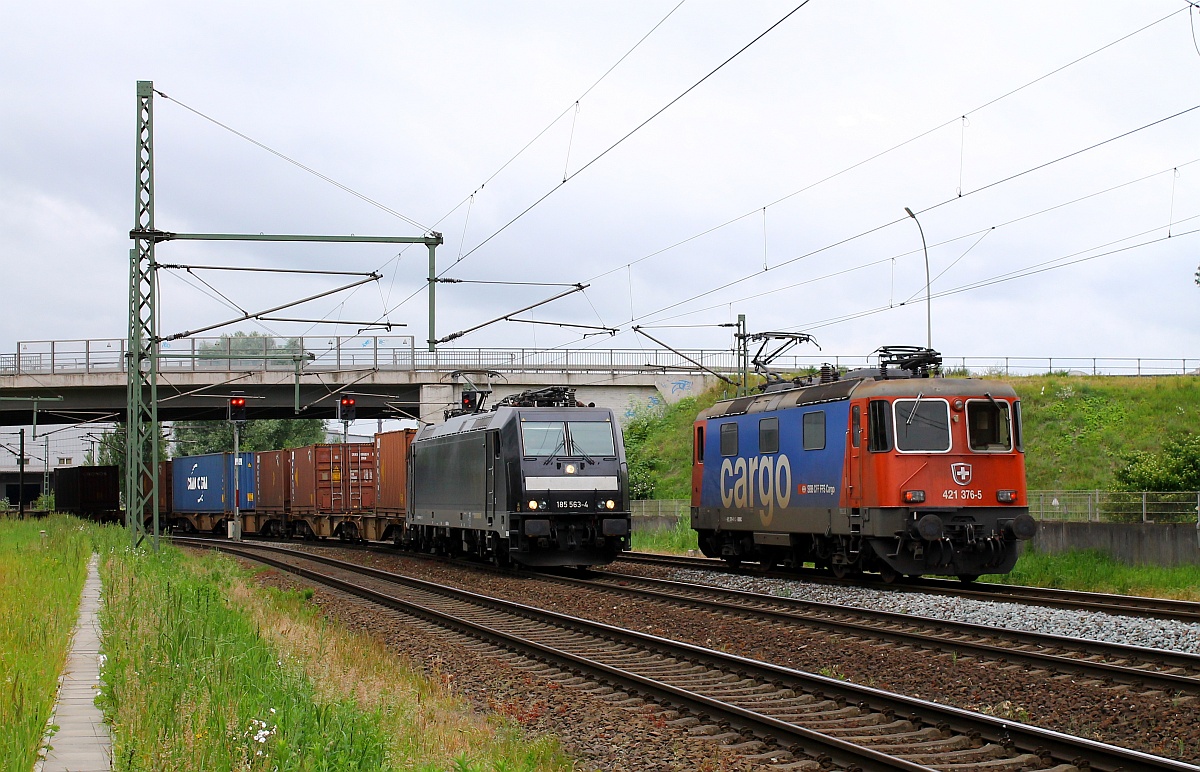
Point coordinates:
[(197, 437)]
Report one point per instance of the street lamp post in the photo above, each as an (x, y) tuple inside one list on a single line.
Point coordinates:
[(928, 313)]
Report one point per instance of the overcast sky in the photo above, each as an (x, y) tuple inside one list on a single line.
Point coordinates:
[(799, 156)]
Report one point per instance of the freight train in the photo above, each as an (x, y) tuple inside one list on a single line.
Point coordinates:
[(886, 469), (538, 479)]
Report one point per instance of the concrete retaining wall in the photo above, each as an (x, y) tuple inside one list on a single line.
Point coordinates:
[(1154, 544)]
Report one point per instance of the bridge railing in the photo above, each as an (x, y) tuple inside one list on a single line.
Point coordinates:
[(400, 352)]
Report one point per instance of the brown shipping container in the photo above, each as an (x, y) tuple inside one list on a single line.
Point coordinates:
[(391, 464), (273, 474), (165, 478), (333, 479)]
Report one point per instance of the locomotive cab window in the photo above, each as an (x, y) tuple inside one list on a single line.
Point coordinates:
[(699, 444), (922, 425), (576, 438), (879, 426), (988, 425), (768, 435), (543, 438), (592, 438), (729, 439), (814, 430)]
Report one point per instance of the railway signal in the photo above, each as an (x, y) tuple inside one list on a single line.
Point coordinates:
[(346, 409), (237, 409)]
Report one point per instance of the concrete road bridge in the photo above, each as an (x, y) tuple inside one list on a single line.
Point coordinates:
[(75, 381), (79, 381)]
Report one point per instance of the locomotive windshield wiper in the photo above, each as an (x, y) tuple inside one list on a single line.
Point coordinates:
[(562, 441), (916, 405)]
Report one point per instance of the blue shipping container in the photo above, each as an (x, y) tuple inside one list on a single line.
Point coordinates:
[(205, 483)]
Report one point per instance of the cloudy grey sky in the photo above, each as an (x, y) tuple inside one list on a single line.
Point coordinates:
[(776, 187)]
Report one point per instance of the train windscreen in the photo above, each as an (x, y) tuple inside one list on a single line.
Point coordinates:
[(922, 425), (987, 425), (543, 438), (592, 438), (587, 438)]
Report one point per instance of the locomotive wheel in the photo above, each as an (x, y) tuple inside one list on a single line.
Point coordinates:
[(888, 574), (967, 578), (839, 570)]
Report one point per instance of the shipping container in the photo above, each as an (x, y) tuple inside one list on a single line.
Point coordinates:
[(391, 467), (164, 493), (88, 491), (333, 479), (273, 475), (205, 484)]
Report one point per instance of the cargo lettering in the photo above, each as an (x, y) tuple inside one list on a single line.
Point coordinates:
[(758, 481), (197, 483)]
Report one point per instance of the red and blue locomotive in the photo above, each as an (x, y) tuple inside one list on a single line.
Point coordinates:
[(886, 469)]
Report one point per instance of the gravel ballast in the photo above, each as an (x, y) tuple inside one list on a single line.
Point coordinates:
[(1148, 721)]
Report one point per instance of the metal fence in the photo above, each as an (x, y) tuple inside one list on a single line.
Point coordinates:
[(399, 352), (1054, 505), (1115, 506)]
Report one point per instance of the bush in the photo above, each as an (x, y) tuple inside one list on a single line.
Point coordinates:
[(1175, 468)]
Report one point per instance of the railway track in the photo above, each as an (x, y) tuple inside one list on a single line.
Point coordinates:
[(1168, 671), (1131, 605), (820, 721)]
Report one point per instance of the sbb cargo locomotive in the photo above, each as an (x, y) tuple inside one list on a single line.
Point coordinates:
[(883, 469), (538, 479)]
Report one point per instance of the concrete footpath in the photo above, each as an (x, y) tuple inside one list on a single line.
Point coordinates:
[(82, 742)]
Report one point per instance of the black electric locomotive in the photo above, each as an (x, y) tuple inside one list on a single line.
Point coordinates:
[(539, 479)]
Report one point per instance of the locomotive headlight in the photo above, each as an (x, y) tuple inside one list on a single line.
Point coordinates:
[(533, 505), (1006, 497), (570, 469), (914, 497), (610, 504)]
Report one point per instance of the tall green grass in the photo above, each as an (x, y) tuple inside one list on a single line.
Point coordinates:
[(1095, 571), (41, 580), (189, 684), (677, 539), (206, 671)]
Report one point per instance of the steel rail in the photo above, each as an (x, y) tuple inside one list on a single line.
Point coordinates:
[(1029, 739), (1129, 605), (806, 612)]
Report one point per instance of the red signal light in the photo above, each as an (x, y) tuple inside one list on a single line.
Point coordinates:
[(346, 409)]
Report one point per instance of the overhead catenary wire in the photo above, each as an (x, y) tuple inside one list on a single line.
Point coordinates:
[(636, 129), (944, 242), (893, 148), (294, 162), (930, 208)]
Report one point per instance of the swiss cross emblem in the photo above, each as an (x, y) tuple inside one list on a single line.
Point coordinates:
[(961, 473)]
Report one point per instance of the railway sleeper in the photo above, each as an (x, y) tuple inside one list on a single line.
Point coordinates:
[(939, 745), (973, 758)]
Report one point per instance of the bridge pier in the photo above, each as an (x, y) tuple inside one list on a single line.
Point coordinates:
[(436, 398)]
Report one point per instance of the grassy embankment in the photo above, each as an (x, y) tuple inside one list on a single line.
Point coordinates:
[(207, 670), (1077, 432), (40, 585)]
